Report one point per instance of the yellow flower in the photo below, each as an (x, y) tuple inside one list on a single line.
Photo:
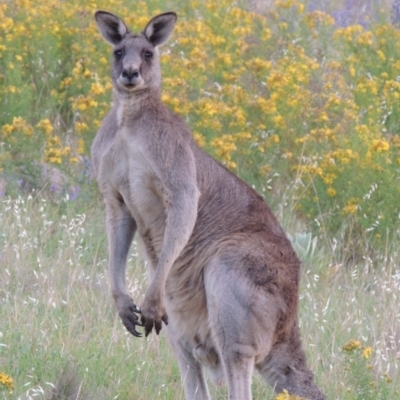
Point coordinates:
[(82, 103), (66, 151), (323, 117), (367, 351), (382, 56), (352, 345), (224, 146), (287, 4), (365, 39), (318, 17), (6, 24), (380, 145), (80, 127), (6, 381), (331, 191), (97, 88), (329, 178), (242, 31), (199, 138), (333, 100), (46, 126), (66, 82), (267, 106), (231, 165), (351, 207), (54, 159), (7, 129), (265, 169), (243, 136), (349, 32), (225, 59), (77, 68), (275, 138), (279, 122), (20, 125), (286, 396), (288, 155), (258, 64)]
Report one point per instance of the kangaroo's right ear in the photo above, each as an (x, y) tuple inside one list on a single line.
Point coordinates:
[(111, 27), (159, 29)]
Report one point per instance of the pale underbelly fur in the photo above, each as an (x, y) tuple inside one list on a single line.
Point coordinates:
[(185, 297)]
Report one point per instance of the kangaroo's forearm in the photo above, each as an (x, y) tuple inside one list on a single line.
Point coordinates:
[(120, 235), (180, 223)]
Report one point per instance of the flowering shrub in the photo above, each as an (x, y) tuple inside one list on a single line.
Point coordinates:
[(293, 92), (362, 380)]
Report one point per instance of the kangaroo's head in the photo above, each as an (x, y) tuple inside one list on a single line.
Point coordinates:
[(135, 66)]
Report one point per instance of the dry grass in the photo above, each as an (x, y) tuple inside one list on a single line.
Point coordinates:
[(60, 337)]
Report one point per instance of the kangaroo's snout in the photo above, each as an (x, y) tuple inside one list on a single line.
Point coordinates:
[(130, 76), (130, 73)]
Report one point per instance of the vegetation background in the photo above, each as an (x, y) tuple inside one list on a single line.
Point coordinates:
[(299, 98)]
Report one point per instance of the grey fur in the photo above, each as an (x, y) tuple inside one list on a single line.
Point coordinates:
[(223, 274)]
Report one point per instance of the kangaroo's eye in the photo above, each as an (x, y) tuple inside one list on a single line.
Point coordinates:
[(148, 55), (118, 54)]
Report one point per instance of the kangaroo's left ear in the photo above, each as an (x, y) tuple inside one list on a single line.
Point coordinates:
[(111, 27), (159, 29)]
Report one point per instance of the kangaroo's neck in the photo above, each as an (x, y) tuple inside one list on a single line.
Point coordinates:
[(130, 106)]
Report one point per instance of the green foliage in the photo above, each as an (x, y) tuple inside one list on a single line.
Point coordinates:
[(285, 93), (362, 380)]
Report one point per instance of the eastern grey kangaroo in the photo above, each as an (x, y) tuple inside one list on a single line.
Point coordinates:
[(224, 278)]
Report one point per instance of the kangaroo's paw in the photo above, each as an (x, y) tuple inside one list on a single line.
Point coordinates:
[(152, 315), (126, 311)]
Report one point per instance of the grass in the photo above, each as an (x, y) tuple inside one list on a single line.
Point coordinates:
[(60, 332)]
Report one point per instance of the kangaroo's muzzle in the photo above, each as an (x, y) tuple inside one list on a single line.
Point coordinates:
[(130, 78)]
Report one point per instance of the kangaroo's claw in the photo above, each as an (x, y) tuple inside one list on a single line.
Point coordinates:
[(129, 318), (153, 322)]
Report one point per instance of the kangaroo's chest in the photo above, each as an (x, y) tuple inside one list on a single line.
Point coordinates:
[(126, 171)]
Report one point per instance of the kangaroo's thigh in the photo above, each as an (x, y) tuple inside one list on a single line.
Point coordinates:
[(242, 315), (242, 319)]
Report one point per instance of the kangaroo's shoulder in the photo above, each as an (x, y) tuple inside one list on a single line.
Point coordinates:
[(166, 122), (164, 133)]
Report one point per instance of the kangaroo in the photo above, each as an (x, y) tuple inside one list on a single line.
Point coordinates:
[(224, 278)]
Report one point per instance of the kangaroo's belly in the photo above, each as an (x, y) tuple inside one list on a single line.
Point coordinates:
[(126, 174)]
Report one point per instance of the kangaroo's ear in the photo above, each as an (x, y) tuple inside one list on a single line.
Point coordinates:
[(159, 29), (111, 27)]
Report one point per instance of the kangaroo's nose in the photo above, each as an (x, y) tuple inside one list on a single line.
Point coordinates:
[(130, 74)]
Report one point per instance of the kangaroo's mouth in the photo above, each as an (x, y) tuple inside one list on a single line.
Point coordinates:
[(131, 84)]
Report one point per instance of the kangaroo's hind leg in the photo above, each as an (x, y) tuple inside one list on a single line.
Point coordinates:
[(241, 322)]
